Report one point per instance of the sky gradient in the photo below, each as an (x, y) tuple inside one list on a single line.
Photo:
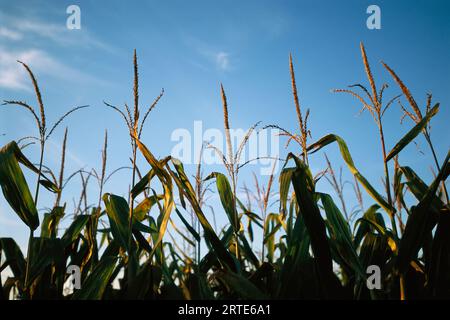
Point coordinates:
[(189, 48)]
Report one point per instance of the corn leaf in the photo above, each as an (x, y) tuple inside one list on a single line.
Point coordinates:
[(166, 182), (330, 138), (15, 188), (95, 284), (243, 286), (74, 229), (49, 226), (219, 247), (413, 133), (420, 222), (304, 191), (188, 226), (226, 198), (13, 257), (118, 210), (341, 235)]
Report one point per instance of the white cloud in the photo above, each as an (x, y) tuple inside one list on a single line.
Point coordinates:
[(13, 75), (10, 34), (223, 60), (24, 29), (220, 59), (54, 148), (214, 56), (60, 34), (29, 35)]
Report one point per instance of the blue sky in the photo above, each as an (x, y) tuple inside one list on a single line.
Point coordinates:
[(189, 47)]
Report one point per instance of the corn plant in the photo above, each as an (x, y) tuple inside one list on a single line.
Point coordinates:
[(124, 247)]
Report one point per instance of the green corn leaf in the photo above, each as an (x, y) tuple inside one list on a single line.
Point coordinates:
[(46, 252), (188, 226), (74, 229), (140, 186), (420, 222), (374, 251), (341, 234), (181, 233), (413, 133), (226, 198), (13, 257), (304, 192), (143, 243), (330, 138), (166, 181), (144, 207), (219, 247), (49, 185), (117, 210), (211, 257), (15, 188), (250, 215), (419, 188), (439, 277), (146, 282), (285, 182), (45, 182), (241, 285), (248, 252), (49, 226), (139, 226), (372, 215), (272, 218), (95, 284)]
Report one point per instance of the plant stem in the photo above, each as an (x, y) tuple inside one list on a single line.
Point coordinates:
[(130, 237), (388, 191), (30, 239), (428, 138), (27, 272), (402, 287), (39, 173), (236, 232), (198, 253), (386, 173), (264, 235)]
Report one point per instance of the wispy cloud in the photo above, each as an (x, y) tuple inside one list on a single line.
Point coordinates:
[(223, 60), (54, 148), (31, 29), (13, 75), (24, 39), (10, 34), (220, 59), (216, 57), (61, 35)]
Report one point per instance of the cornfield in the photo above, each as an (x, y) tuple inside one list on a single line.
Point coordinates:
[(312, 247)]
